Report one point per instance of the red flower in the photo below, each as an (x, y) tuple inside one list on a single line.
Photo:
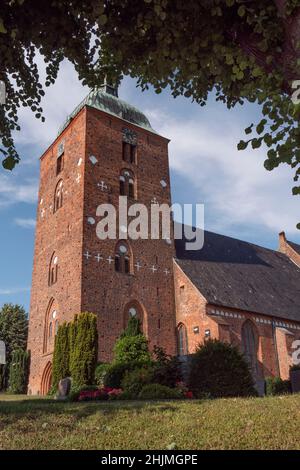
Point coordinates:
[(188, 394)]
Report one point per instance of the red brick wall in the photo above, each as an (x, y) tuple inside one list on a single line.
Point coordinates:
[(105, 291), (274, 346), (59, 232), (86, 284)]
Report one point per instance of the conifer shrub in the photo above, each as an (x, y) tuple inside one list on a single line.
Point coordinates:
[(61, 356), (277, 386), (83, 341), (219, 370), (158, 392), (132, 346), (19, 371)]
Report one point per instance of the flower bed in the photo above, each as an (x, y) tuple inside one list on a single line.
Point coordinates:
[(109, 393), (104, 393)]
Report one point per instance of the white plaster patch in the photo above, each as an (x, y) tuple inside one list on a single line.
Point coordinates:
[(55, 260), (93, 159), (79, 161), (41, 201), (91, 220)]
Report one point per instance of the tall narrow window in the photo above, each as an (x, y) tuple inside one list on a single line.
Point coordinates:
[(122, 185), (59, 164), (129, 152), (250, 345), (53, 270), (127, 184), (133, 154), (123, 258), (58, 196), (182, 340), (50, 326)]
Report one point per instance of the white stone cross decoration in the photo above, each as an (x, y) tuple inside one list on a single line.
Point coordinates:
[(78, 178), (110, 259), (102, 185), (98, 257), (43, 212), (166, 271), (87, 255), (138, 265), (154, 200), (153, 269)]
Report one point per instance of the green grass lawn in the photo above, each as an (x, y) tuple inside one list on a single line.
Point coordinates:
[(256, 423)]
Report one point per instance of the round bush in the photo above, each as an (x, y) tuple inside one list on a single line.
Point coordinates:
[(134, 380), (158, 392), (132, 349), (220, 370)]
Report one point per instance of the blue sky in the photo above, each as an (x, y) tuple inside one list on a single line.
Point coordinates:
[(240, 197)]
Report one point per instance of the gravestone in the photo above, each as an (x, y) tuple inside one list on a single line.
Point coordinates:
[(64, 387), (2, 353)]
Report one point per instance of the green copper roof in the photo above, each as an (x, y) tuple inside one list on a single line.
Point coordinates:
[(105, 98)]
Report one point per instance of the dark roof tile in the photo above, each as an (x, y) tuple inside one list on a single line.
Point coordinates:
[(234, 273)]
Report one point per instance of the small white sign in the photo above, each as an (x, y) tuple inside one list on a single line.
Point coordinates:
[(2, 353)]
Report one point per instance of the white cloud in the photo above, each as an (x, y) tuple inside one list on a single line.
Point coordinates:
[(25, 223), (60, 99), (14, 290), (13, 190), (233, 184)]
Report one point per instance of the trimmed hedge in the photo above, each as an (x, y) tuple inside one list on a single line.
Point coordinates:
[(219, 370), (158, 392), (277, 386), (83, 348), (61, 356)]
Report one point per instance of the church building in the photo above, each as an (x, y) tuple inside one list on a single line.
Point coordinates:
[(230, 289)]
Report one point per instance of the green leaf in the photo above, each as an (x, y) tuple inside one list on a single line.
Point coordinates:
[(248, 130), (241, 10), (256, 143), (103, 20), (242, 145), (3, 30), (9, 163)]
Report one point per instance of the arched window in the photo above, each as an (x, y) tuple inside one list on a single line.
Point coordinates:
[(53, 270), (50, 327), (58, 196), (127, 184), (123, 258), (250, 345), (182, 340), (134, 309)]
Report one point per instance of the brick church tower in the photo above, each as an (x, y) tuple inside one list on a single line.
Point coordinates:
[(105, 148)]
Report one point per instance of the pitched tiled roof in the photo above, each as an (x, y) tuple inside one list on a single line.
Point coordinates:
[(295, 246), (241, 275)]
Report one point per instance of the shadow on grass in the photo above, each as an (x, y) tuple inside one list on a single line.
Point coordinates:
[(12, 411)]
